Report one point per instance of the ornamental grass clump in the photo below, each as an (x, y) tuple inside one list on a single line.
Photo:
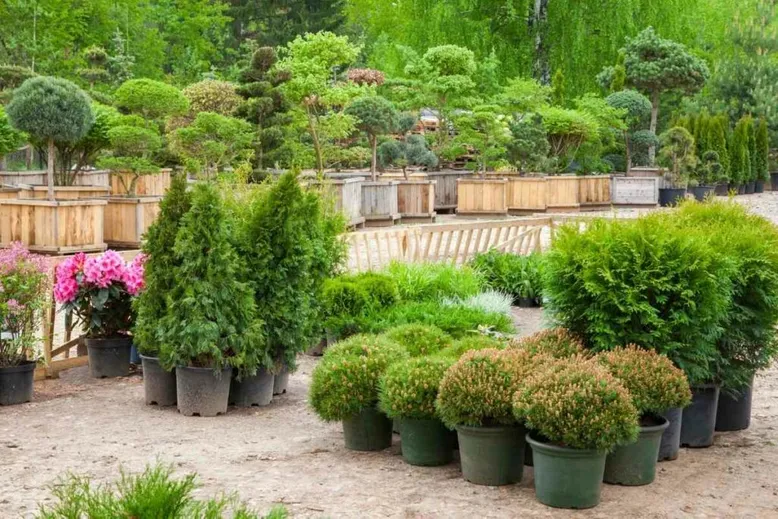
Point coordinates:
[(345, 382), (420, 339), (409, 388), (652, 380), (557, 342), (468, 343), (576, 403)]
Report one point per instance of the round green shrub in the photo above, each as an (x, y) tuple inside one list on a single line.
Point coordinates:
[(212, 95), (151, 99), (409, 388), (557, 342), (420, 339), (381, 288), (478, 389), (651, 379), (346, 380), (473, 342), (343, 297), (577, 404)]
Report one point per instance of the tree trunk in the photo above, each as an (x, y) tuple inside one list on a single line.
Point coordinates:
[(652, 127), (539, 18), (50, 170), (627, 152), (374, 159), (316, 144)]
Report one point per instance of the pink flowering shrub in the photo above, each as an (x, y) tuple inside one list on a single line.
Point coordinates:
[(99, 291), (24, 285)]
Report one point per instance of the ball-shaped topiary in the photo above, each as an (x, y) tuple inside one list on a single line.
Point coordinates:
[(420, 339), (471, 343), (652, 380), (557, 342), (478, 389), (151, 99), (576, 403), (409, 388), (211, 95), (346, 380)]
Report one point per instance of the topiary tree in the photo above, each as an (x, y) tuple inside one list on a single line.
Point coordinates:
[(638, 112), (97, 61), (376, 116), (51, 110), (152, 100), (211, 95), (161, 262), (411, 151), (12, 76), (484, 131), (132, 148), (409, 388), (656, 65), (678, 153), (567, 130), (718, 143)]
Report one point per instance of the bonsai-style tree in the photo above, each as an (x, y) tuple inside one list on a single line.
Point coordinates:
[(484, 131), (376, 116), (152, 100), (211, 95), (411, 151), (677, 152), (638, 112), (655, 65), (51, 111), (709, 171), (133, 146), (160, 265), (528, 147), (567, 130), (75, 157), (213, 141), (12, 76), (96, 71)]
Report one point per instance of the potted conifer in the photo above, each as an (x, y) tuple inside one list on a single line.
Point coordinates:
[(678, 155), (655, 385), (345, 389)]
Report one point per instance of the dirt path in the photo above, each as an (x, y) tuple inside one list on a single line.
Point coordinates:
[(285, 454)]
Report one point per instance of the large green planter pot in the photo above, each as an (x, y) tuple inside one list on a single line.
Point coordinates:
[(370, 430), (492, 456), (567, 478), (426, 442), (635, 464)]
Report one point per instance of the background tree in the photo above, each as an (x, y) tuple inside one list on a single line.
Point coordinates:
[(740, 153), (528, 147), (521, 95), (211, 95), (567, 130), (75, 157), (95, 71), (484, 131), (152, 100), (10, 137), (376, 116), (762, 151), (51, 111), (637, 110), (678, 153)]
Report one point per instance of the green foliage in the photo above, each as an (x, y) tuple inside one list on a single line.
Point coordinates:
[(160, 264), (567, 130), (376, 116), (151, 99), (411, 151), (636, 106), (557, 342), (74, 157), (213, 142), (762, 152), (528, 147), (409, 388), (133, 146), (10, 138), (419, 339), (211, 319), (211, 95), (12, 76), (489, 301), (740, 152), (579, 405), (654, 384), (519, 276), (472, 342), (434, 281), (643, 282), (524, 95), (346, 380), (484, 131), (558, 92), (678, 154)]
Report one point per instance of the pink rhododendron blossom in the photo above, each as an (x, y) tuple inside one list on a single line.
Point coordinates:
[(102, 271)]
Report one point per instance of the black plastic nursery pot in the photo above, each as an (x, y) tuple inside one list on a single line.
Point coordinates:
[(202, 391), (700, 193), (109, 357), (567, 478), (135, 356), (281, 381), (669, 197), (734, 411), (492, 456), (635, 464), (750, 187), (159, 386), (370, 430), (671, 437), (427, 443), (759, 186), (527, 302), (699, 419), (722, 190), (774, 181), (252, 391), (16, 383)]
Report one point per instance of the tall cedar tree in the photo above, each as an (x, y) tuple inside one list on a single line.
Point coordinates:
[(211, 319), (151, 304)]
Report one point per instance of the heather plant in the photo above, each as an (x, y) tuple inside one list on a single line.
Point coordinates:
[(472, 342), (409, 388), (557, 342), (652, 380), (99, 291), (420, 339), (577, 404), (346, 381), (24, 286)]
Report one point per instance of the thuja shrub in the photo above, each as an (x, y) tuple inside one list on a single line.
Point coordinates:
[(472, 342), (576, 403), (652, 380), (478, 389), (556, 342), (409, 388), (420, 339), (645, 282), (345, 381)]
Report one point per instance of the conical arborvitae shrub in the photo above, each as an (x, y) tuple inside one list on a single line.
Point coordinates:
[(762, 151), (740, 156), (717, 141), (211, 319)]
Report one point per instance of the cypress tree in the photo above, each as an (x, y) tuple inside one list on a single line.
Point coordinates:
[(740, 156), (717, 141), (762, 151), (753, 152), (702, 133)]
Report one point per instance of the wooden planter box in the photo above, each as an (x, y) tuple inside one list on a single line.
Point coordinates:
[(635, 191), (594, 192), (416, 200), (127, 220), (9, 193), (398, 175), (58, 227), (379, 203), (347, 194), (527, 195), (38, 178), (64, 192), (446, 188), (645, 171), (562, 194), (147, 185), (482, 197)]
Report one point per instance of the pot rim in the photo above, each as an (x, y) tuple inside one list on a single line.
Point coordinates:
[(148, 357), (488, 430), (22, 367), (108, 342), (711, 385), (649, 429), (200, 370), (562, 452)]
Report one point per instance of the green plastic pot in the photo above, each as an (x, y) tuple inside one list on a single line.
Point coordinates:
[(567, 478), (492, 456), (426, 443), (635, 464), (370, 430)]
